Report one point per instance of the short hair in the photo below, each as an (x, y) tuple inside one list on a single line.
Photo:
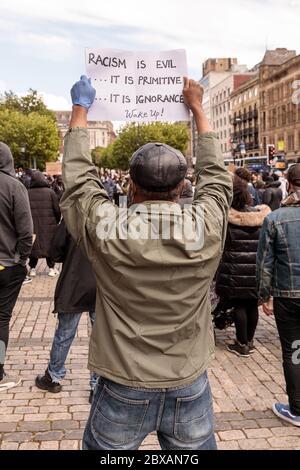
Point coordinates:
[(170, 195), (244, 174), (241, 195)]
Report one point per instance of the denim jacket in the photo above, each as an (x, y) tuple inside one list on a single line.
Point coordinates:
[(278, 256)]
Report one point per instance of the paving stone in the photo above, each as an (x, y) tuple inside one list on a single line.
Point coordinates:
[(258, 433), (49, 436), (29, 446), (17, 437), (232, 435), (254, 444), (69, 445), (65, 424), (243, 389), (34, 426), (284, 442), (49, 445), (229, 445), (9, 445)]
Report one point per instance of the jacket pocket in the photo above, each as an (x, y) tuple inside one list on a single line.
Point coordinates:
[(194, 416), (117, 419)]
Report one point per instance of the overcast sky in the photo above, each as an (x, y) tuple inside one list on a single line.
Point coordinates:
[(42, 42)]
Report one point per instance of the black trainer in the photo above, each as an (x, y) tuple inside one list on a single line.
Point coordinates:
[(241, 350), (44, 382), (252, 348)]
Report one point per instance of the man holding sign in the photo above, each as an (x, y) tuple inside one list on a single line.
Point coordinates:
[(153, 338)]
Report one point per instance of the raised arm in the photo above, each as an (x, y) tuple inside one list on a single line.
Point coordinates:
[(214, 182), (83, 188)]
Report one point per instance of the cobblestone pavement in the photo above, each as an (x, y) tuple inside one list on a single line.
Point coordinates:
[(243, 389)]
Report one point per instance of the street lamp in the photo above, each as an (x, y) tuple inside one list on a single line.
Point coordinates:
[(23, 151)]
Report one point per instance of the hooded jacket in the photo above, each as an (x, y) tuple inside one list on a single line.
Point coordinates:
[(272, 196), (15, 215), (45, 213), (236, 278)]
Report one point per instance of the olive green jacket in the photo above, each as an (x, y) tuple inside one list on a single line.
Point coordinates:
[(153, 324)]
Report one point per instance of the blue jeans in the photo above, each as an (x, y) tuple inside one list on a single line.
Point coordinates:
[(121, 417), (63, 339)]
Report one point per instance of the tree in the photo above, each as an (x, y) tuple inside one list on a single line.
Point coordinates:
[(30, 103), (102, 157), (30, 136), (133, 136)]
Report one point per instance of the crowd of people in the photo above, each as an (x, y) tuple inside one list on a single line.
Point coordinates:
[(148, 300)]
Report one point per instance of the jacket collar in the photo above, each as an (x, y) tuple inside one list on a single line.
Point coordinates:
[(293, 199), (249, 219)]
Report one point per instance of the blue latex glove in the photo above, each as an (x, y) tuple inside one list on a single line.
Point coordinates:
[(82, 93)]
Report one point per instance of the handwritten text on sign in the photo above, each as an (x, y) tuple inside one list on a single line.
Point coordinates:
[(137, 86)]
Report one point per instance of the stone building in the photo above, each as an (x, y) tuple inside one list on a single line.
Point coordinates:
[(245, 118), (280, 104), (221, 108), (263, 112), (220, 78), (101, 133)]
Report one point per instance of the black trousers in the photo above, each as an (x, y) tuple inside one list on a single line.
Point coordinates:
[(245, 319), (11, 280), (287, 315), (34, 261)]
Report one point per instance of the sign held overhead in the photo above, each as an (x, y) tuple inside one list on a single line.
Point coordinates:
[(137, 86)]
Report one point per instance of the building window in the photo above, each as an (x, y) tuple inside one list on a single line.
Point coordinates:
[(291, 143)]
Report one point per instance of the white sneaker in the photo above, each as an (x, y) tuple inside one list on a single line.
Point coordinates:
[(52, 272), (9, 381), (32, 272)]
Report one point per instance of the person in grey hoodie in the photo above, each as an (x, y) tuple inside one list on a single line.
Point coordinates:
[(15, 245)]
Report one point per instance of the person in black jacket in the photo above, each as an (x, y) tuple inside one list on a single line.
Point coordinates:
[(236, 276), (15, 246), (46, 215), (272, 196), (75, 293)]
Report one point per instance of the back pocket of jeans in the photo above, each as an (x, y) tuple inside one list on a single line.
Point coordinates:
[(117, 419), (194, 417)]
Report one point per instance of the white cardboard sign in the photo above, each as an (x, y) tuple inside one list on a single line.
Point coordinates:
[(137, 86)]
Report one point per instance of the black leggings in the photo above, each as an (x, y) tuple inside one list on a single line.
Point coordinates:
[(34, 261), (11, 280), (245, 319)]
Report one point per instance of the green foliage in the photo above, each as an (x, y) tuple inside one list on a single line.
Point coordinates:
[(133, 136), (102, 156), (35, 134), (26, 124), (30, 103)]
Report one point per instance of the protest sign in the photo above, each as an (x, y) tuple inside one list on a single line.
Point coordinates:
[(137, 86)]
